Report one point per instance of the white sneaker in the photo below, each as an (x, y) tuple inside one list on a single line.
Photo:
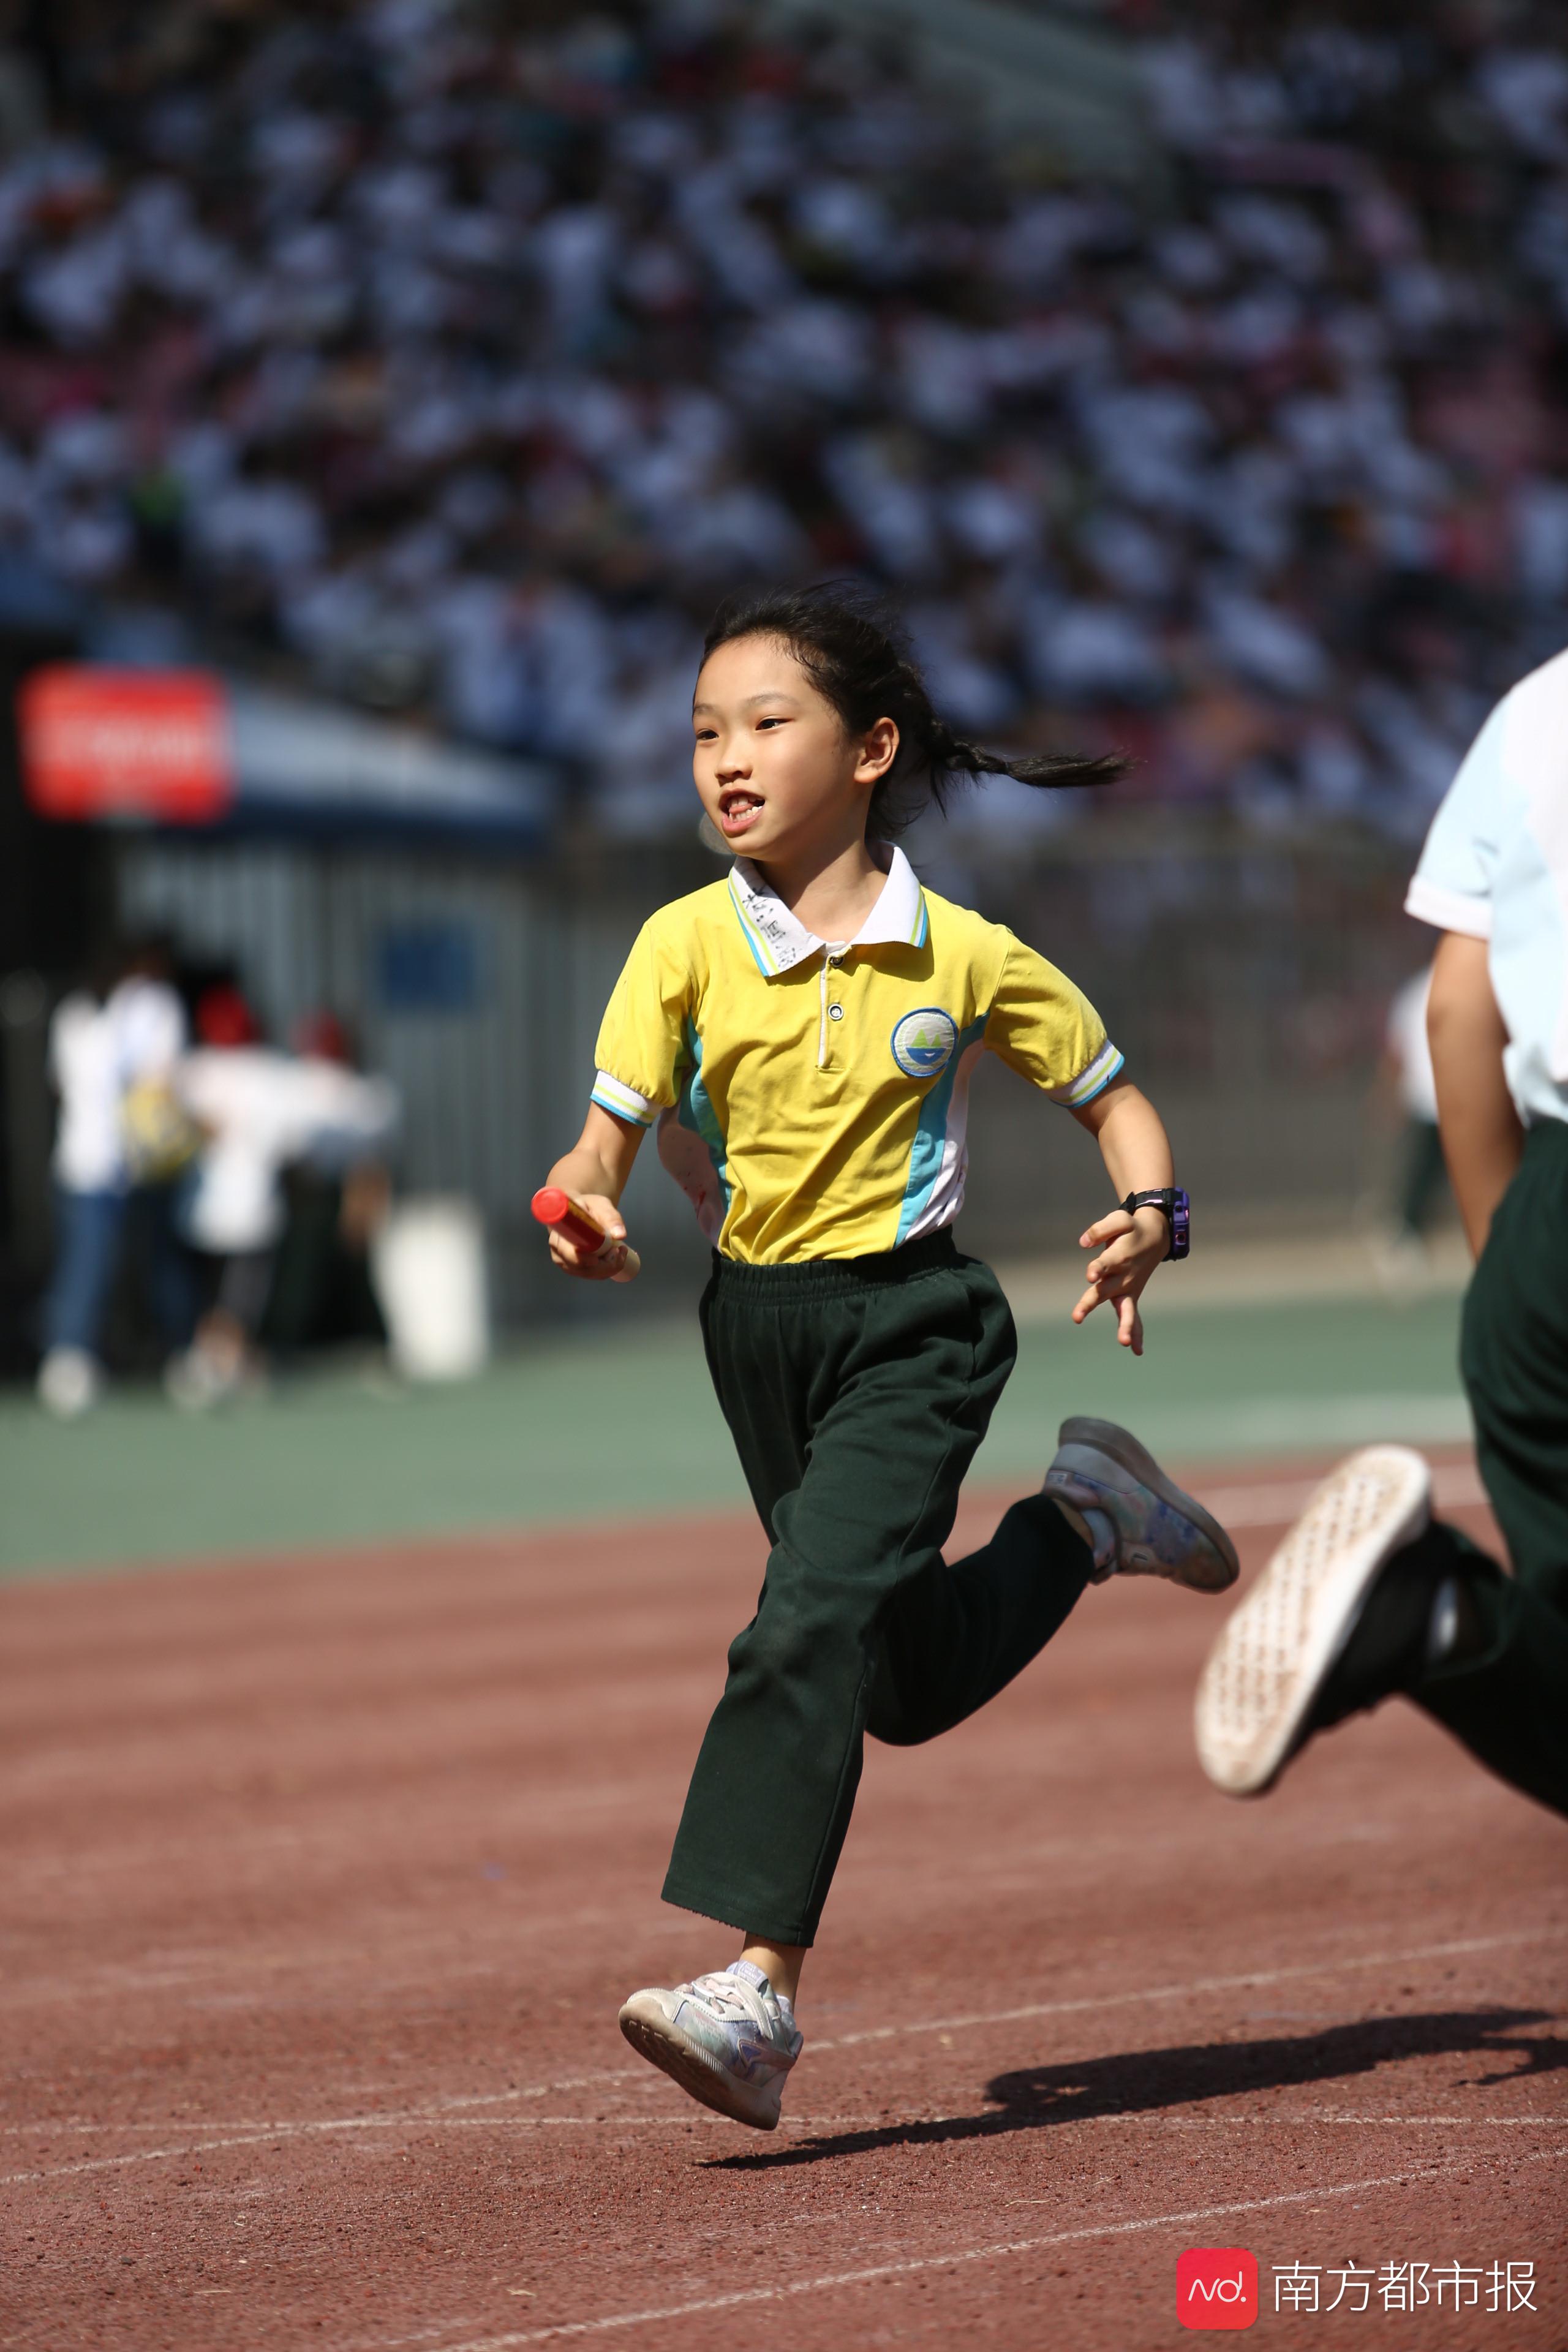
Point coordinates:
[(1266, 1672), (70, 1382), (727, 2039)]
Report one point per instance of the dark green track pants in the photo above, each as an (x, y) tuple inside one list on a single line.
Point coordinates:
[(1509, 1706), (856, 1391)]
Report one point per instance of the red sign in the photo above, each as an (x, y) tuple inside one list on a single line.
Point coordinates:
[(153, 744)]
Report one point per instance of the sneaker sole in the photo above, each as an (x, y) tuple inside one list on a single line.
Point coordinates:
[(1108, 1437), (1283, 1640), (653, 2037)]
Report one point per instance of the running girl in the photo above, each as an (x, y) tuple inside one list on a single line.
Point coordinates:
[(803, 1034)]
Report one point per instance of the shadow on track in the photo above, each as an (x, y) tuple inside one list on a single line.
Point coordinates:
[(1141, 2082)]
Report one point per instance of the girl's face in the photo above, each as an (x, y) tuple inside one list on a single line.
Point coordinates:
[(775, 768)]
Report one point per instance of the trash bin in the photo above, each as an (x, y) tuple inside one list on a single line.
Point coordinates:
[(429, 1263)]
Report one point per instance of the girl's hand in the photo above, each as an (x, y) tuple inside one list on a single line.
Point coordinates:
[(1135, 1244), (607, 1263)]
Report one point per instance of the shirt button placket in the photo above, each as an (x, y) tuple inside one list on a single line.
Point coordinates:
[(832, 1009)]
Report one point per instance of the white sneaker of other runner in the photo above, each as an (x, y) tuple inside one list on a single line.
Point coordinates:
[(727, 2039), (1281, 1643)]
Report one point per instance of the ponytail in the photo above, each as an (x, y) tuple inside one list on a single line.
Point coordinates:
[(860, 660), (952, 757)]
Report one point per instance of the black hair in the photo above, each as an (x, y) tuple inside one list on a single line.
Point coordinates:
[(858, 657)]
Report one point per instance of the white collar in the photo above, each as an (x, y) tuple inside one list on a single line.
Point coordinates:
[(779, 941)]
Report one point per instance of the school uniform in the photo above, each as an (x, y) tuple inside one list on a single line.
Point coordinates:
[(811, 1097), (1495, 867)]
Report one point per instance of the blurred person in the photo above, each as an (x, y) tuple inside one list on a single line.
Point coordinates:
[(336, 1198), (804, 1033), (114, 1048), (258, 1109), (1409, 1083), (1369, 1596)]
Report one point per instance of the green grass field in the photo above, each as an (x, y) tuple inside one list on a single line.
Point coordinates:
[(599, 1426)]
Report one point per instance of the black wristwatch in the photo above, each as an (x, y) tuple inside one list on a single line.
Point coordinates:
[(1177, 1210)]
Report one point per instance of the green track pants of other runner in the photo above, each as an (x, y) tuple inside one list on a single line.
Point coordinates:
[(1509, 1706)]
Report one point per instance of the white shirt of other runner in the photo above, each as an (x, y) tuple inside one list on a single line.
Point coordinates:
[(1496, 867), (96, 1052), (263, 1109)]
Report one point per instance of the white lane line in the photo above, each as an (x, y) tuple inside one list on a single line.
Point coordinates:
[(880, 2271), (908, 2118), (340, 2125), (115, 1980), (1292, 2118), (285, 2129), (1455, 1487), (1155, 2120), (1194, 1986), (289, 2126)]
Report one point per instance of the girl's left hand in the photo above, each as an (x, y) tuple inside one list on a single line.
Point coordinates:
[(1136, 1243)]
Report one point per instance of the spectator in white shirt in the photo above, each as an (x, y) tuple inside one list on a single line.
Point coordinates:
[(259, 1110), (1411, 1057), (112, 1044)]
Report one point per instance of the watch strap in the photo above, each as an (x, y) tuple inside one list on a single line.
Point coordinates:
[(1175, 1207)]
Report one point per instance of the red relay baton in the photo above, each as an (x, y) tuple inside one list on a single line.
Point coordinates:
[(555, 1208)]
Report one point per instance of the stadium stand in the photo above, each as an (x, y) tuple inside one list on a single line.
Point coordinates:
[(451, 360)]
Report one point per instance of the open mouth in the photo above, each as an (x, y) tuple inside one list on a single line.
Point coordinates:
[(738, 810)]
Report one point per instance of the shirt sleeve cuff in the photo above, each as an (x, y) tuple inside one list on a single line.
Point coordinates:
[(1090, 1082), (622, 1102), (1448, 910)]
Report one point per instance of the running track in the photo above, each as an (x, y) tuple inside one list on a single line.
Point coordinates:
[(325, 1877)]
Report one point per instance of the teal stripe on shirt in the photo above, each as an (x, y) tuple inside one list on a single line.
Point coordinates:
[(930, 1135), (697, 1112)]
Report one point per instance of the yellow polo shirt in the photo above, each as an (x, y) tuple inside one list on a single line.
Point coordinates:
[(811, 1095)]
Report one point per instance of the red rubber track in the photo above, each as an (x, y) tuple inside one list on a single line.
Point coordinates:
[(324, 1878)]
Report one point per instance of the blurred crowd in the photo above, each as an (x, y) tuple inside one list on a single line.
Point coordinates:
[(223, 1192), (456, 357)]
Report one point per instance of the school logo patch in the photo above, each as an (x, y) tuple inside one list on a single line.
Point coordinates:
[(923, 1041)]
